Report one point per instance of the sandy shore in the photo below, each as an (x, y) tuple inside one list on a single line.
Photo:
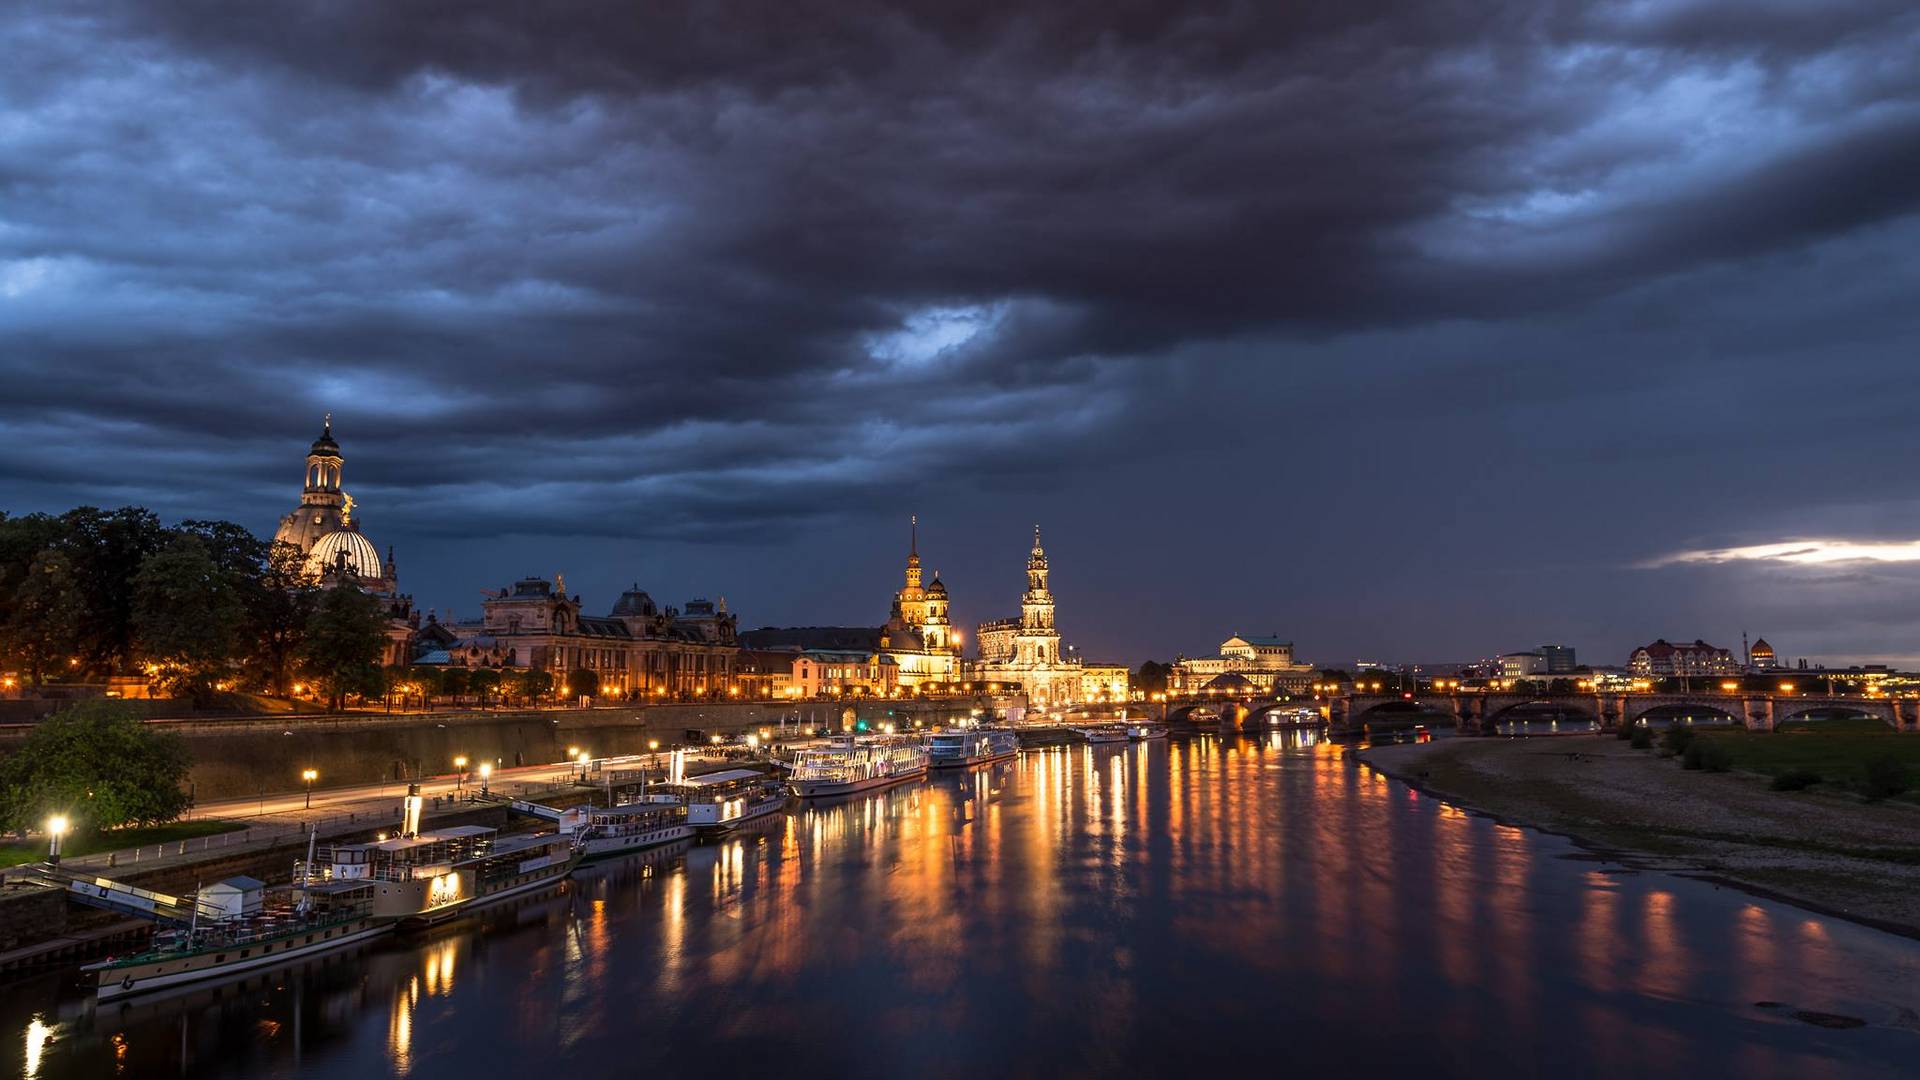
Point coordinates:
[(1826, 851)]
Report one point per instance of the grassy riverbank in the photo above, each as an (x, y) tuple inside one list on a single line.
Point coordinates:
[(20, 852), (1824, 847)]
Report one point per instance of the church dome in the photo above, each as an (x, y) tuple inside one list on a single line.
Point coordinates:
[(362, 558), (938, 588)]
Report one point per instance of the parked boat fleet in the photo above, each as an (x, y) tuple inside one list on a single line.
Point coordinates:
[(343, 894)]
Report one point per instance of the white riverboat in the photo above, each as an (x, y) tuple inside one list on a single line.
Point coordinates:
[(1140, 731), (1103, 733), (306, 920), (963, 747), (602, 831), (429, 877), (719, 802), (848, 764)]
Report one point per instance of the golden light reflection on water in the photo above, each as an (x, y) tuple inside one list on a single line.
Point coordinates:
[(1663, 969), (1124, 897), (400, 1026)]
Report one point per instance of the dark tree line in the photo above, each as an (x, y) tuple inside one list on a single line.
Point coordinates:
[(202, 607)]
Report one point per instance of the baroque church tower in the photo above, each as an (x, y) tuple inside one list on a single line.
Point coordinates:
[(1038, 642)]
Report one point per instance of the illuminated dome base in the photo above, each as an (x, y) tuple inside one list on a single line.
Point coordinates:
[(362, 559)]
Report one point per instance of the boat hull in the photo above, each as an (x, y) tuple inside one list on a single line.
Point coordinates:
[(752, 812), (820, 789), (546, 876), (160, 973), (607, 847), (977, 759)]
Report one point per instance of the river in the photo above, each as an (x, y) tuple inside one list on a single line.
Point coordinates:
[(1238, 905)]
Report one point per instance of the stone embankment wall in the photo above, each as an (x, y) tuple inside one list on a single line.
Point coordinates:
[(242, 756)]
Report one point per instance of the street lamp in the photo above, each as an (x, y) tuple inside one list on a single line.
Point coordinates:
[(56, 828), (309, 775), (584, 759), (460, 763), (486, 770)]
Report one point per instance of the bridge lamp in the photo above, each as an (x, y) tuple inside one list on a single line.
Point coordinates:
[(1786, 688), (56, 828), (1729, 686)]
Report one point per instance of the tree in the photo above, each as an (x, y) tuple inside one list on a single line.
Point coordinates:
[(583, 682), (107, 547), (98, 764), (186, 616), (44, 617), (24, 541), (454, 682), (1152, 677), (483, 681), (535, 683), (426, 682), (345, 640), (279, 611)]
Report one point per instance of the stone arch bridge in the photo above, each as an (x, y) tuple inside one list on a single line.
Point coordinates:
[(1472, 711), (1760, 712)]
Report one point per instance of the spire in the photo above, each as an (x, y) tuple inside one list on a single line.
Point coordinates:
[(913, 534)]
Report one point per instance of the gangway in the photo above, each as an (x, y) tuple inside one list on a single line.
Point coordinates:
[(534, 809), (517, 806), (119, 896)]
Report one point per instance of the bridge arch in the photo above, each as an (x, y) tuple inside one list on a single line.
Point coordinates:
[(1666, 713), (1404, 707), (1798, 712), (1259, 711), (1184, 714), (1584, 707)]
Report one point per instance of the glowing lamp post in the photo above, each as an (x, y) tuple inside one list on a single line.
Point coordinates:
[(486, 770), (585, 759), (56, 828), (460, 767), (309, 775)]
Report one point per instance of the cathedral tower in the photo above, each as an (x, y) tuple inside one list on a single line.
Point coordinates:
[(1039, 642), (912, 599)]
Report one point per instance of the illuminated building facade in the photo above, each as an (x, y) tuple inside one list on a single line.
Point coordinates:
[(1104, 682), (638, 649), (1663, 658), (917, 642), (1265, 663), (1027, 651)]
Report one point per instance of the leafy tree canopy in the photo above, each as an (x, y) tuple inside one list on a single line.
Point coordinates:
[(97, 763)]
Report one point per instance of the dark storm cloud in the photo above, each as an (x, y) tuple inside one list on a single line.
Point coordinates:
[(639, 270)]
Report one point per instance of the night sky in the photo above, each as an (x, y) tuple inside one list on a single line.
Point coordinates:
[(1416, 331)]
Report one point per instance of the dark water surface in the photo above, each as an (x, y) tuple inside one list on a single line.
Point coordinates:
[(1236, 906)]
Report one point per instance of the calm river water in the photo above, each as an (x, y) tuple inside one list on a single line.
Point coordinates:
[(1240, 905)]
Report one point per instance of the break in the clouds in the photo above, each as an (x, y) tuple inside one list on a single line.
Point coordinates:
[(1805, 553), (1471, 307)]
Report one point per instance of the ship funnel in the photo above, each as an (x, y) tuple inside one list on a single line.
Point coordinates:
[(410, 812), (677, 768)]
